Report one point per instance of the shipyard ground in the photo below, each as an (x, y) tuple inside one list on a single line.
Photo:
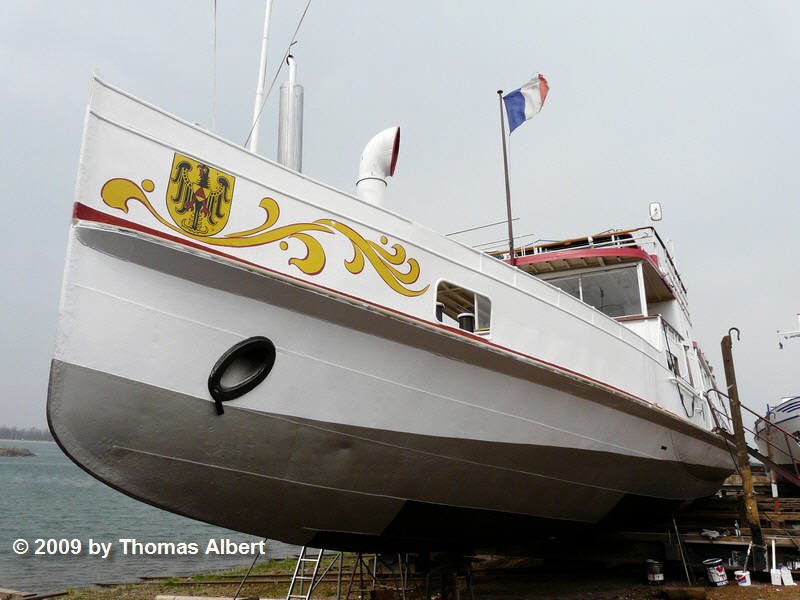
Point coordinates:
[(606, 566), (503, 581), (616, 584)]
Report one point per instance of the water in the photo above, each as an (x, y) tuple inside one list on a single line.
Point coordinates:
[(49, 497)]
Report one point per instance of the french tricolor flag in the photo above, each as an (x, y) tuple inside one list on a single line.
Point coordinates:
[(525, 102)]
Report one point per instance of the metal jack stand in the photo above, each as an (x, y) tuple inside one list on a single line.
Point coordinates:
[(449, 572), (363, 591), (376, 576), (400, 577)]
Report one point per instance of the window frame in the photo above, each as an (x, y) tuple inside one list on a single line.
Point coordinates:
[(477, 296)]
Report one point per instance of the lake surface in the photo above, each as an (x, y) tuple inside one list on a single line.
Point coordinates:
[(48, 497)]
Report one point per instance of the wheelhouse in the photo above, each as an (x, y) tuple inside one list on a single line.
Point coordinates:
[(630, 276)]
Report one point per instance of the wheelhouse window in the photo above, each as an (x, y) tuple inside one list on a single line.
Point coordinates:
[(615, 292), (459, 307)]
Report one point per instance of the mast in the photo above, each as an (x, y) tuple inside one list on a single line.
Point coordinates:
[(262, 76)]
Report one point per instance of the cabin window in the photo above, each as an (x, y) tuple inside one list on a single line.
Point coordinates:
[(571, 285), (691, 365), (677, 353), (614, 292), (459, 307), (706, 377), (672, 361)]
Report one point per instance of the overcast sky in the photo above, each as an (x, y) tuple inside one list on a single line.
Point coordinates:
[(693, 104)]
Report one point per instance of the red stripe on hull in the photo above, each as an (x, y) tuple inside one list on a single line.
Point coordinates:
[(83, 212)]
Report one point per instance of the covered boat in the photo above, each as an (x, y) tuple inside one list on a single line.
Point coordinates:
[(243, 345), (781, 439)]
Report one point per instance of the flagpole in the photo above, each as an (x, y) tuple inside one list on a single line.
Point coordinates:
[(508, 187)]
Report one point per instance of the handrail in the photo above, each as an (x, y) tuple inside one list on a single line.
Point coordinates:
[(669, 258), (788, 437), (590, 238), (590, 243)]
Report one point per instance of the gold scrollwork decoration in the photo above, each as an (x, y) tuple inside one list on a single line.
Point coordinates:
[(392, 264)]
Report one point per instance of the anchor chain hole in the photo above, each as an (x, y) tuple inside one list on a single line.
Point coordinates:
[(240, 369)]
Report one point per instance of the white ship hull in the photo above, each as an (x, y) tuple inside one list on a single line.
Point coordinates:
[(376, 426)]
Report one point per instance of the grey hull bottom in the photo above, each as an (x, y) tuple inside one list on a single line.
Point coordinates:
[(345, 487)]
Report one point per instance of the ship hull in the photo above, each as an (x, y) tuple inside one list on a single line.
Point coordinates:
[(322, 484), (371, 431)]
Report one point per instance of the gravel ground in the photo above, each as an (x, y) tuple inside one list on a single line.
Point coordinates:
[(595, 583), (611, 586)]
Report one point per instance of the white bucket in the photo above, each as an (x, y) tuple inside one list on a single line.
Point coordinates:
[(716, 572), (742, 577), (655, 572)]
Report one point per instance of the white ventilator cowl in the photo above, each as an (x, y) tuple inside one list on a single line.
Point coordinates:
[(378, 161)]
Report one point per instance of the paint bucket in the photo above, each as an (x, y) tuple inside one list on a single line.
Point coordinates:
[(655, 572), (716, 572), (742, 577)]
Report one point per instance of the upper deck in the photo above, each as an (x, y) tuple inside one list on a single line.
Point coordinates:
[(602, 270)]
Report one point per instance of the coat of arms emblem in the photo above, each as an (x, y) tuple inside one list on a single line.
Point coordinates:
[(199, 202), (199, 196)]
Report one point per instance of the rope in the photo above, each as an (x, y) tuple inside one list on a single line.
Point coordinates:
[(277, 72)]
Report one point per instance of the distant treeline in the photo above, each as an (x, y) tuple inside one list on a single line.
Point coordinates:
[(31, 434)]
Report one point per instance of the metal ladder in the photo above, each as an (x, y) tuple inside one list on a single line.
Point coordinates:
[(299, 578)]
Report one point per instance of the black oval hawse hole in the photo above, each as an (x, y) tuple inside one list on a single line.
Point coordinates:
[(240, 369), (244, 367)]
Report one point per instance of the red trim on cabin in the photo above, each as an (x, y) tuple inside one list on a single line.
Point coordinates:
[(87, 213), (582, 253), (593, 253)]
